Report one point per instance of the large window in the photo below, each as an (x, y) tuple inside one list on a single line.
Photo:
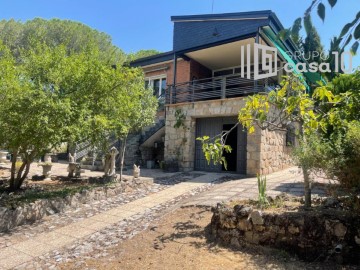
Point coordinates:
[(158, 85)]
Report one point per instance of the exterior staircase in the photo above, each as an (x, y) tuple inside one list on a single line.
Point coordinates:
[(151, 130)]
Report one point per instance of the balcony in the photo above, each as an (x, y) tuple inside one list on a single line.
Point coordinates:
[(217, 88)]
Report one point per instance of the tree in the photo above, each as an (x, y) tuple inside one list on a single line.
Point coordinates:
[(51, 96), (142, 54), (74, 35), (291, 105), (350, 31)]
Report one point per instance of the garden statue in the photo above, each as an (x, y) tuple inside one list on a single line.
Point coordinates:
[(109, 167), (72, 166), (71, 158), (136, 171)]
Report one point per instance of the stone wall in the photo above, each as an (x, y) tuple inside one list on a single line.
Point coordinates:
[(312, 235), (274, 153), (29, 213), (266, 150), (180, 143)]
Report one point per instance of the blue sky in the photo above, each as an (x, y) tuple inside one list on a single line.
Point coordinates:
[(144, 24)]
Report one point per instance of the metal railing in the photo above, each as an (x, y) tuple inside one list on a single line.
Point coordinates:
[(213, 88)]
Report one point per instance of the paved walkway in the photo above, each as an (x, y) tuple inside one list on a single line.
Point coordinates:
[(289, 181), (27, 250)]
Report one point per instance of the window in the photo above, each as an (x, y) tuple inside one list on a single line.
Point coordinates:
[(157, 84)]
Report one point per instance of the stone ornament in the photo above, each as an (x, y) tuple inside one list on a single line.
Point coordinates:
[(3, 159), (47, 158), (109, 167), (136, 171), (73, 167)]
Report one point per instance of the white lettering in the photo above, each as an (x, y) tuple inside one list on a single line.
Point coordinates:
[(343, 62), (327, 67)]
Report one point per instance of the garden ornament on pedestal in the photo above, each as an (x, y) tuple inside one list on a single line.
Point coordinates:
[(109, 167), (46, 166), (3, 159), (136, 171), (47, 158), (72, 166)]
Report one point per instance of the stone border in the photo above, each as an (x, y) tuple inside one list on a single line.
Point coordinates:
[(312, 235), (29, 213)]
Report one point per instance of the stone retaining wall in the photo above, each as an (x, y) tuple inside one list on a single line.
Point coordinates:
[(10, 218), (312, 235)]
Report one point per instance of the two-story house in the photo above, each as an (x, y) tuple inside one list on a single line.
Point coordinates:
[(203, 82)]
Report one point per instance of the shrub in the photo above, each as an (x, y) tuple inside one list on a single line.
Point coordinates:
[(344, 156)]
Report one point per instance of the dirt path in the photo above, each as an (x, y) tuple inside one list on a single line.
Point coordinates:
[(181, 240)]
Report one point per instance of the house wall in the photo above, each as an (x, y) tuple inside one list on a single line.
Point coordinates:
[(275, 155), (198, 71), (266, 150), (182, 71), (180, 143)]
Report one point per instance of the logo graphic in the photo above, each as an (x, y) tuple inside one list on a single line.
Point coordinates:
[(265, 61)]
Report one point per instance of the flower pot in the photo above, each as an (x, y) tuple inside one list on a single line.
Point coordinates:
[(3, 155), (46, 170)]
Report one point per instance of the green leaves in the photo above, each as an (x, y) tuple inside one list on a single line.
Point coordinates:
[(354, 47), (321, 11), (295, 30), (332, 3), (357, 32), (345, 29), (214, 148)]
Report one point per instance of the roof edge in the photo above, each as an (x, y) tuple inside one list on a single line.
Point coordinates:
[(153, 59), (222, 16)]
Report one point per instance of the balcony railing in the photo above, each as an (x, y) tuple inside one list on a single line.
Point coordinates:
[(214, 88)]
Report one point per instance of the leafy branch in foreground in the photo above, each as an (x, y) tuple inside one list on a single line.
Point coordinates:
[(213, 148)]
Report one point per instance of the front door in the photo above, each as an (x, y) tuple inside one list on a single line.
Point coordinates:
[(236, 139)]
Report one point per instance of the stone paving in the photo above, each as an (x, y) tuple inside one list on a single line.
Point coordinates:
[(289, 182), (91, 234), (26, 250)]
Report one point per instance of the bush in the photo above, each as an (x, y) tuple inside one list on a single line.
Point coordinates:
[(344, 153)]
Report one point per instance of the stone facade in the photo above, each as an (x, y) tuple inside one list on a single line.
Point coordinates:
[(274, 153), (266, 151)]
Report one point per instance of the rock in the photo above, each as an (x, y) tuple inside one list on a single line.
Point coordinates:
[(330, 202), (340, 230), (252, 237), (357, 240), (242, 210), (235, 242), (244, 225), (256, 217), (293, 230)]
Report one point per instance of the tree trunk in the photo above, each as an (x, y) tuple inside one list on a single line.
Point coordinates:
[(18, 178), (13, 171), (123, 148), (307, 187)]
